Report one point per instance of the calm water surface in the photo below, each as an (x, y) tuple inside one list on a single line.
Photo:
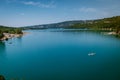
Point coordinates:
[(60, 55)]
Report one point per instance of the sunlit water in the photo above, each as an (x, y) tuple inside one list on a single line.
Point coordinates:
[(60, 55)]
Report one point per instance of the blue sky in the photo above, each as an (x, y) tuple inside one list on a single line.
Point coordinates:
[(33, 12)]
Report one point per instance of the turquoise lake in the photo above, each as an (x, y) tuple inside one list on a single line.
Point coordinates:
[(60, 55)]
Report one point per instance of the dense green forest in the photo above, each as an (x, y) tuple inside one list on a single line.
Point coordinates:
[(11, 30), (112, 24)]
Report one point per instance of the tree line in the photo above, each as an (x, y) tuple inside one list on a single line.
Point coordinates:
[(112, 24), (11, 30)]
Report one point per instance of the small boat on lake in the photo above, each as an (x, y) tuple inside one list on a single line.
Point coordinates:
[(91, 54)]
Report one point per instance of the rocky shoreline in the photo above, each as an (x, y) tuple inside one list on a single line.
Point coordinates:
[(9, 36)]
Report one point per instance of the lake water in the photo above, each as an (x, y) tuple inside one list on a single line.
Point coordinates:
[(61, 55)]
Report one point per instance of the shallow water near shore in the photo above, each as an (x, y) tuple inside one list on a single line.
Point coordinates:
[(60, 55)]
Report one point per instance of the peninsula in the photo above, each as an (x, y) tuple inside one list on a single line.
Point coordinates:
[(9, 32)]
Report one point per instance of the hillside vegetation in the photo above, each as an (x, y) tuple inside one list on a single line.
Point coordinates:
[(112, 24), (10, 30)]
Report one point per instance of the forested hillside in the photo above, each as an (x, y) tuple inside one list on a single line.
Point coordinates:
[(11, 30)]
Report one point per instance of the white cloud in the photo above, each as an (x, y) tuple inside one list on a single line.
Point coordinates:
[(31, 3), (97, 12), (39, 4), (10, 1), (84, 9), (51, 4)]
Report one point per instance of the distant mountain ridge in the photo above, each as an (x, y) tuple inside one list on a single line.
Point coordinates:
[(70, 24), (65, 24), (111, 22)]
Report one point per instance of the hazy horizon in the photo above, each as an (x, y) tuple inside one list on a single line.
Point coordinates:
[(18, 13)]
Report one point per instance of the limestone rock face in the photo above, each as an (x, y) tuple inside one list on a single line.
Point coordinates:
[(8, 36)]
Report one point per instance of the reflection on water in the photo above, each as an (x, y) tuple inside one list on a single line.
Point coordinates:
[(2, 49), (19, 39), (61, 55), (11, 42)]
